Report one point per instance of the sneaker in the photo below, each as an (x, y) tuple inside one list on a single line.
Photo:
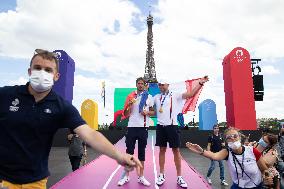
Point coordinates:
[(223, 182), (143, 181), (161, 179), (123, 181), (209, 180), (181, 182)]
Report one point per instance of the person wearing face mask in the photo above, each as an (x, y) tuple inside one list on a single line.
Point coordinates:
[(281, 142), (266, 142), (41, 80), (280, 148), (245, 163), (267, 147), (30, 115)]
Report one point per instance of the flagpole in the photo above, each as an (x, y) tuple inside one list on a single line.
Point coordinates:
[(104, 97), (104, 92)]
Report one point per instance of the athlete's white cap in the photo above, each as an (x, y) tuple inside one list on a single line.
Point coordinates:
[(163, 81)]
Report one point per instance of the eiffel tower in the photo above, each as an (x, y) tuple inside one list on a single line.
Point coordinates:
[(150, 73)]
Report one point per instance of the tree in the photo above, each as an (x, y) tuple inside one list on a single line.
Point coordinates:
[(272, 123)]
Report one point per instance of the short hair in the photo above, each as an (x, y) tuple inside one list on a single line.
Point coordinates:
[(272, 138), (214, 126), (140, 79), (47, 55), (266, 130)]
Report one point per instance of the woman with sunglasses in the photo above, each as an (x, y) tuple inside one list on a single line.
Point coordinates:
[(244, 162)]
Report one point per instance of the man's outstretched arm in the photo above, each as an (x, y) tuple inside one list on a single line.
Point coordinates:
[(196, 89), (98, 142)]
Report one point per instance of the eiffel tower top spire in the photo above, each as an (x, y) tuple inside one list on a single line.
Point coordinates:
[(150, 72)]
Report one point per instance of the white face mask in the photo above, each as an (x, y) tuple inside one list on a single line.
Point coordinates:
[(234, 145), (41, 81)]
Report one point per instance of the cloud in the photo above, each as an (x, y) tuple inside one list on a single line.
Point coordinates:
[(20, 81), (194, 37), (269, 70), (226, 24), (190, 40), (272, 106), (63, 24)]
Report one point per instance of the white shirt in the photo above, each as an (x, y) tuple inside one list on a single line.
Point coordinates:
[(164, 101), (136, 119), (250, 167)]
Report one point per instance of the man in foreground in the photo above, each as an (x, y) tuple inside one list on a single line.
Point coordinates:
[(30, 115)]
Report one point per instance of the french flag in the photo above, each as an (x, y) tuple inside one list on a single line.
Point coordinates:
[(187, 86)]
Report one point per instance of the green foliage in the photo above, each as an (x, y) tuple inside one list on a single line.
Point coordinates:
[(272, 123), (103, 127), (222, 124)]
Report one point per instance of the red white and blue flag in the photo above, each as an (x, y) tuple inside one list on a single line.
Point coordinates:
[(187, 86)]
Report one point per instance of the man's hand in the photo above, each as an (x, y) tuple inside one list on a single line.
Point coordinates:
[(85, 154), (129, 162), (129, 106), (131, 102), (145, 113), (69, 137), (98, 142), (201, 81), (204, 79)]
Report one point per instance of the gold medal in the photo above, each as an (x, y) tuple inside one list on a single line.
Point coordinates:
[(133, 100), (161, 110)]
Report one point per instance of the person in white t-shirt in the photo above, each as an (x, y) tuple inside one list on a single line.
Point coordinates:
[(245, 163), (168, 106), (139, 109)]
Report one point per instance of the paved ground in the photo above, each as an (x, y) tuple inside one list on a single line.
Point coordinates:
[(201, 164), (60, 166)]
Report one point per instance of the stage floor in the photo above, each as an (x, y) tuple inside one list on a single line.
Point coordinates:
[(105, 173)]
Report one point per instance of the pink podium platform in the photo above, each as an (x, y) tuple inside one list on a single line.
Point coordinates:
[(103, 172)]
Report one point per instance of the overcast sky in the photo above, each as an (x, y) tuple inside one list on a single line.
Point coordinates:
[(107, 40)]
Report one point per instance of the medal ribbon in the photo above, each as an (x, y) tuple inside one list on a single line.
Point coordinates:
[(162, 101)]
